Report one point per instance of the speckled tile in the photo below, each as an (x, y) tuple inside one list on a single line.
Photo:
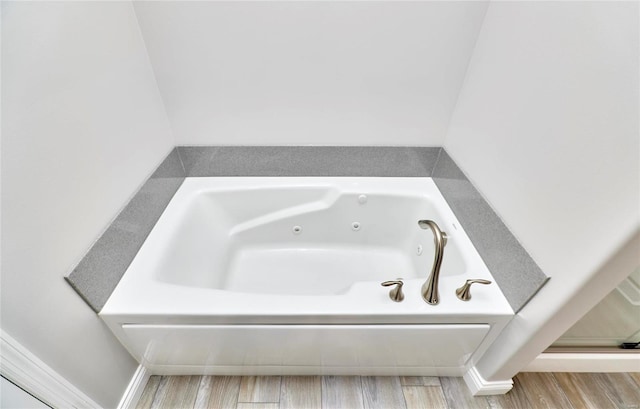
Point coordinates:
[(517, 274), (98, 273), (378, 161)]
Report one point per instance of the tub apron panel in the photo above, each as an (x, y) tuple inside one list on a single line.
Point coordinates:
[(282, 276), (304, 349)]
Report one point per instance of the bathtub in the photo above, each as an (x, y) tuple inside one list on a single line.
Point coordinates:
[(282, 276)]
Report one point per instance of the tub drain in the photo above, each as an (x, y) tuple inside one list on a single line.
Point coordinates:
[(355, 226), (297, 229)]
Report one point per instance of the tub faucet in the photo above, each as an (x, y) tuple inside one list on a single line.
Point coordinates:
[(430, 287)]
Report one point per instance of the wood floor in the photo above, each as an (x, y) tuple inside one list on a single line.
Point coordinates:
[(531, 390)]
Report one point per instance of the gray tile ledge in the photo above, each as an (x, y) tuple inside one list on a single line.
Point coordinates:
[(98, 273), (374, 161), (517, 274)]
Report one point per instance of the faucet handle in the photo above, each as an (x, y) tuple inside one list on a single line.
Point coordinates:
[(396, 292), (464, 292)]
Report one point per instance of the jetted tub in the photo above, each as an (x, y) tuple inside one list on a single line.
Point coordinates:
[(282, 276)]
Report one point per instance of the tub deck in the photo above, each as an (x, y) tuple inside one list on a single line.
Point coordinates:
[(282, 276)]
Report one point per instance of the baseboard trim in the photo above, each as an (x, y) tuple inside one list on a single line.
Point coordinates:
[(26, 370), (584, 362), (481, 387), (134, 390)]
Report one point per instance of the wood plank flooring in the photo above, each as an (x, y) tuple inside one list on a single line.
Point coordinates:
[(531, 391)]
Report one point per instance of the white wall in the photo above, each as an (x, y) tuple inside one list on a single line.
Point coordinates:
[(83, 125), (321, 73), (546, 126)]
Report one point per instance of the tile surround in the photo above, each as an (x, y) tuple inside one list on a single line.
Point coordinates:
[(98, 273), (307, 160), (515, 271)]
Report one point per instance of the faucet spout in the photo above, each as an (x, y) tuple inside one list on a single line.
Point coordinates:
[(430, 287)]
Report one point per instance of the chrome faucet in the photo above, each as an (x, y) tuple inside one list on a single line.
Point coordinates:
[(430, 287)]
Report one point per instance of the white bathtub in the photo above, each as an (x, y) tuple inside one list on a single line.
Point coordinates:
[(282, 276)]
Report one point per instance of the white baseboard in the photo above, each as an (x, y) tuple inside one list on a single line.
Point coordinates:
[(26, 370), (134, 390), (481, 387), (585, 362)]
